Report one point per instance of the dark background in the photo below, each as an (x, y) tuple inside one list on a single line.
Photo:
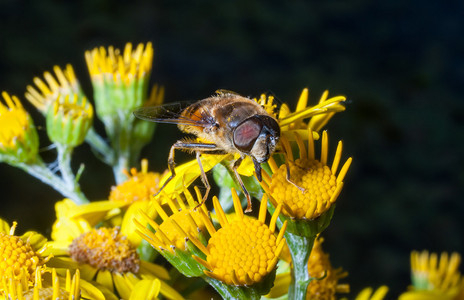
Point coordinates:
[(400, 63)]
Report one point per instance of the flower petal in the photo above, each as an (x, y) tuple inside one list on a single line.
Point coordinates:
[(146, 289)]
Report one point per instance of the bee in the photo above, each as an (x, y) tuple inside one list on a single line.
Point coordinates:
[(225, 123)]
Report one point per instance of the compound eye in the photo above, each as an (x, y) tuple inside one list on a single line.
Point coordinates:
[(246, 133)]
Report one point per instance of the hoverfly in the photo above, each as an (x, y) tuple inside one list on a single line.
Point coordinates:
[(225, 123)]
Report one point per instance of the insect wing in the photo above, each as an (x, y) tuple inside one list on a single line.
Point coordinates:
[(170, 113)]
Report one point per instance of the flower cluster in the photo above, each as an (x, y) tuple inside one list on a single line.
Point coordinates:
[(157, 235)]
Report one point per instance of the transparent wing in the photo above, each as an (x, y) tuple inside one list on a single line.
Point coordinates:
[(171, 113)]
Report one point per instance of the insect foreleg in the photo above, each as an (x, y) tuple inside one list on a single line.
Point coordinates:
[(239, 179), (203, 178), (171, 165), (302, 189)]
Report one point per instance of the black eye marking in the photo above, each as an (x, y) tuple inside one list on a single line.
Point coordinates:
[(246, 133)]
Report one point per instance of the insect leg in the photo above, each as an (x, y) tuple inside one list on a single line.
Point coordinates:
[(302, 189), (204, 179), (239, 179), (171, 165)]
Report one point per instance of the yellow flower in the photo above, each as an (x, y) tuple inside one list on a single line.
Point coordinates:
[(18, 137), (50, 91), (325, 284), (105, 255), (68, 120), (20, 256), (172, 237), (434, 277), (119, 78), (244, 251), (140, 186), (313, 186), (369, 294)]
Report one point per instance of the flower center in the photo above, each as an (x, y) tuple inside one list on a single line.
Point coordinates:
[(105, 249), (15, 255), (243, 248), (314, 177)]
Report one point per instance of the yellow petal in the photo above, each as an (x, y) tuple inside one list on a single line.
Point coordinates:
[(4, 227), (167, 291), (146, 289), (65, 229), (105, 278), (247, 167), (152, 269), (94, 290), (128, 227), (281, 284), (123, 286), (188, 172), (94, 212)]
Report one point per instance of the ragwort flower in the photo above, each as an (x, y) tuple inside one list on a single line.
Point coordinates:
[(435, 277), (312, 186), (105, 255), (325, 284), (20, 256), (19, 141), (244, 251), (140, 186)]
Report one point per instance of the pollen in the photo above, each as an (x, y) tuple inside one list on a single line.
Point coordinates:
[(105, 249), (138, 187), (312, 186), (17, 256), (242, 252)]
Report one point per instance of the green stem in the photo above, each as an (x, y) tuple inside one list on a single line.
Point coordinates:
[(104, 152), (232, 292), (122, 140), (300, 249), (41, 172), (64, 163)]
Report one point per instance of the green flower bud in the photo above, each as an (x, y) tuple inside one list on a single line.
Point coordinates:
[(119, 79), (68, 120)]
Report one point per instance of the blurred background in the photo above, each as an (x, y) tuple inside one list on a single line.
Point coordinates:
[(400, 63)]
